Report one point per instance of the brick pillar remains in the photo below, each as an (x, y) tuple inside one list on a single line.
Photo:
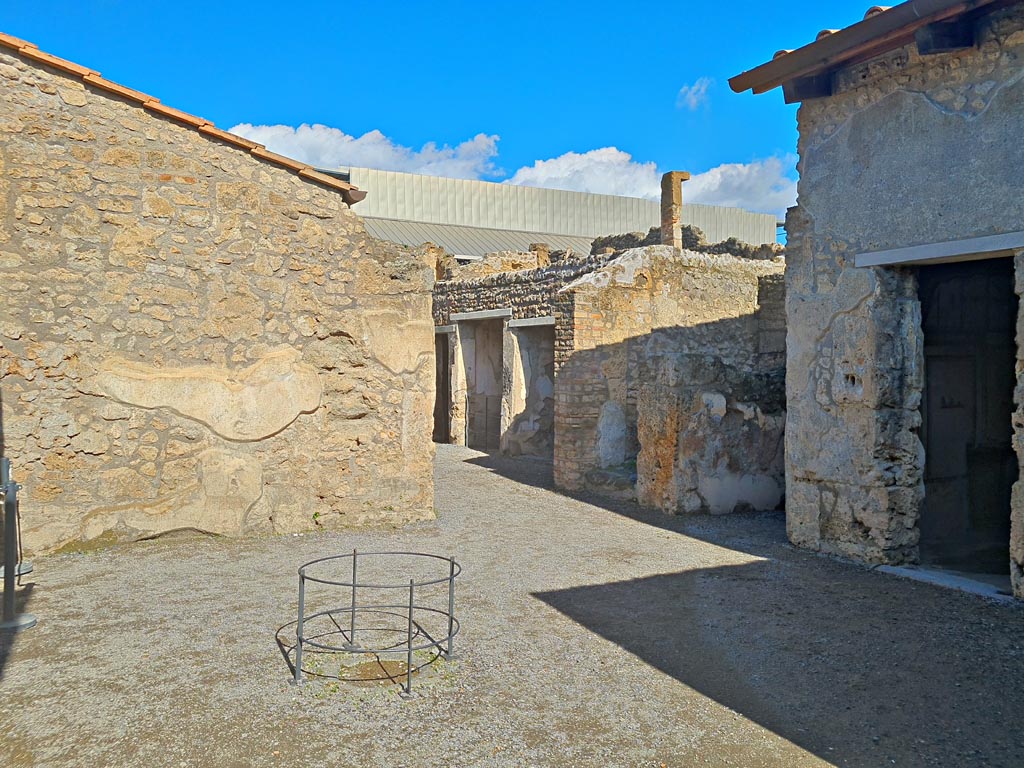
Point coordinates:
[(672, 207)]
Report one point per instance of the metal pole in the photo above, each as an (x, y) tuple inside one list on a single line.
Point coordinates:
[(352, 618), (11, 621), (451, 606), (408, 653), (298, 630), (10, 542)]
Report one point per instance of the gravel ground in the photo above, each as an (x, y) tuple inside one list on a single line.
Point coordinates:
[(594, 634)]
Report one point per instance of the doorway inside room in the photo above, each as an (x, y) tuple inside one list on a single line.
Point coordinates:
[(969, 318)]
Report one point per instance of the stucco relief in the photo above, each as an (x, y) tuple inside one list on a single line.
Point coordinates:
[(252, 403)]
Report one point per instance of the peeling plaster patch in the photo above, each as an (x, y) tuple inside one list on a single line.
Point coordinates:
[(396, 342), (730, 491), (227, 486), (248, 404), (611, 435)]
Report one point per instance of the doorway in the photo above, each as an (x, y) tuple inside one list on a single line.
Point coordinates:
[(482, 355), (969, 317), (531, 403), (442, 389)]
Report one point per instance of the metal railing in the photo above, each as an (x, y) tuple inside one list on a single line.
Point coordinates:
[(364, 625), (12, 621)]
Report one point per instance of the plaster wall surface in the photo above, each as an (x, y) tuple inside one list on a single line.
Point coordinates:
[(909, 150), (194, 338), (528, 407), (668, 366), (674, 361)]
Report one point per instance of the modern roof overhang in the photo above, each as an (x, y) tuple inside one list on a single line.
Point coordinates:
[(987, 247), (806, 72)]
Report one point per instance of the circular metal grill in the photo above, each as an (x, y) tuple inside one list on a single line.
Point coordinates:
[(361, 613)]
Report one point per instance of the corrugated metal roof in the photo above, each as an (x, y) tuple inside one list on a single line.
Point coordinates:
[(719, 223), (470, 203), (530, 211), (469, 241)]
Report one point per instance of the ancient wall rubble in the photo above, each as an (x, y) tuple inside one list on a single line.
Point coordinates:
[(692, 238), (194, 338), (510, 281), (646, 373), (876, 173), (672, 370)]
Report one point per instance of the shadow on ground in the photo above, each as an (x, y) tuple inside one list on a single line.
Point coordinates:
[(7, 639), (848, 678), (732, 531), (858, 668)]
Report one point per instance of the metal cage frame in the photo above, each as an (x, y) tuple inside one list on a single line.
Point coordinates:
[(416, 637)]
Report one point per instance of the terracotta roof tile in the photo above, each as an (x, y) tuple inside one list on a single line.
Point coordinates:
[(315, 175), (30, 51), (94, 79), (154, 105), (15, 42), (45, 58), (232, 138), (882, 28), (265, 154)]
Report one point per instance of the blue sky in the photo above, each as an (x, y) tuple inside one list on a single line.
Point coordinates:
[(606, 95)]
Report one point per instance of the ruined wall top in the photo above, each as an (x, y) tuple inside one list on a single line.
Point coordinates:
[(627, 267), (527, 283), (691, 239)]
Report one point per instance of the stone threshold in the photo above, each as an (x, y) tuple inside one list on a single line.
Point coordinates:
[(975, 584)]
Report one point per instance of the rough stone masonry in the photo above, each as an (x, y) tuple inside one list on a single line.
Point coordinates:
[(910, 149), (193, 337), (667, 366), (671, 363)]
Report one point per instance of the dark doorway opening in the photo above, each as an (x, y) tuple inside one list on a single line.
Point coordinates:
[(482, 351), (969, 317), (443, 389)]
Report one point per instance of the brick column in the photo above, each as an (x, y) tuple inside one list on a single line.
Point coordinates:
[(672, 207)]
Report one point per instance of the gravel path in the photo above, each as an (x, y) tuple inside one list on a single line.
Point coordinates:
[(594, 634)]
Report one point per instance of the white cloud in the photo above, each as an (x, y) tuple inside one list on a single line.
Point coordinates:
[(758, 186), (692, 96), (608, 170), (325, 147)]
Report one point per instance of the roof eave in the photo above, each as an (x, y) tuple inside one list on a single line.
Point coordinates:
[(349, 193), (874, 35)]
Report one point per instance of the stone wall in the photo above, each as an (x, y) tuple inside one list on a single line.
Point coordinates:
[(528, 286), (193, 337), (527, 292), (910, 149), (528, 405), (674, 361)]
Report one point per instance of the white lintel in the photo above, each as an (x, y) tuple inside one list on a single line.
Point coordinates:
[(444, 328), (486, 314), (528, 322), (973, 248)]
